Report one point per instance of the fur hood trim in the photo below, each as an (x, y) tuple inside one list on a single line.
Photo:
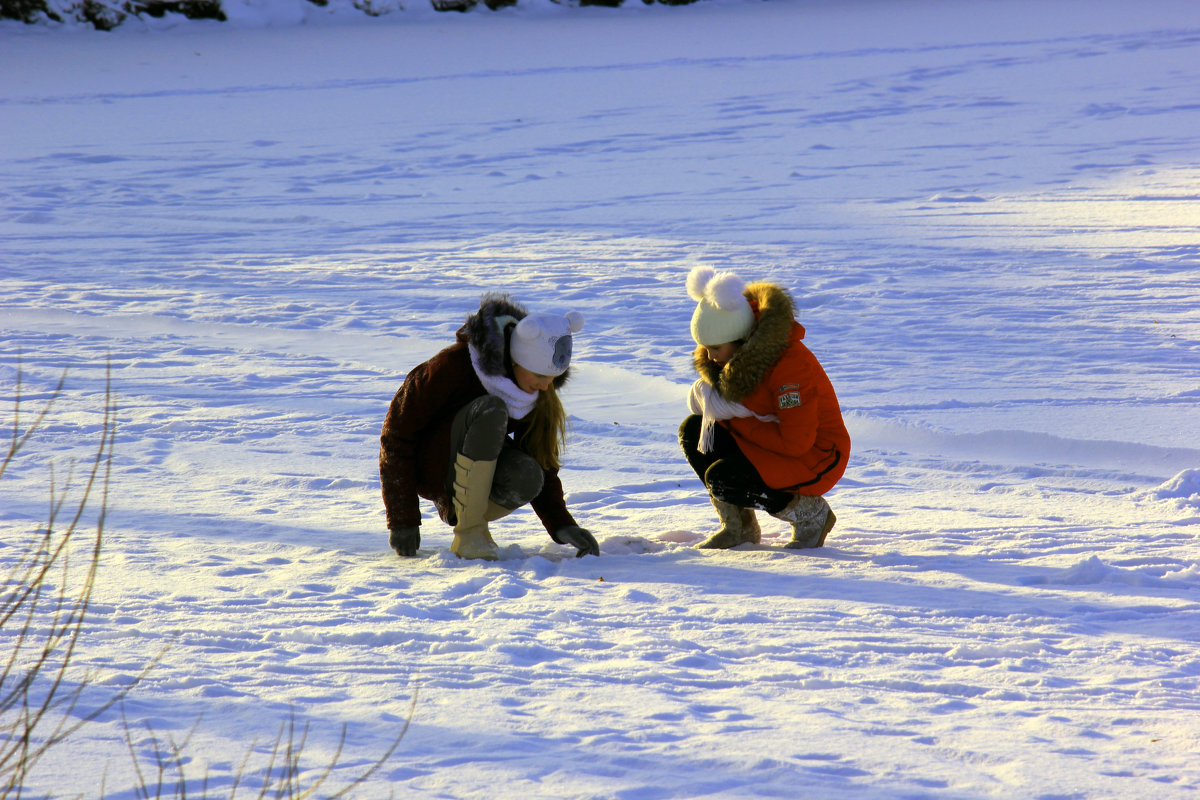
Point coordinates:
[(774, 314), (489, 331)]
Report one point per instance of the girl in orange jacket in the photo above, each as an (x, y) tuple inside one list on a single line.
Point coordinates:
[(766, 429)]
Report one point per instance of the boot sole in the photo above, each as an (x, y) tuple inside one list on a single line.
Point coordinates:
[(488, 557), (478, 555), (708, 544)]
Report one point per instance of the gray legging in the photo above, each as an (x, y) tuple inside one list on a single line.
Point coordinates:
[(480, 432)]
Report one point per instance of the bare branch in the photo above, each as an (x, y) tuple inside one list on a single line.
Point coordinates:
[(43, 603), (45, 598)]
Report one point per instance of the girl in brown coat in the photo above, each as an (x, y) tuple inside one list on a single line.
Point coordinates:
[(477, 430), (766, 430)]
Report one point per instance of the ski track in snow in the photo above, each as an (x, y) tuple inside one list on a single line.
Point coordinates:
[(992, 241)]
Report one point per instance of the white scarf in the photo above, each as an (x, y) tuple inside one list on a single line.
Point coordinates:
[(519, 402), (711, 406)]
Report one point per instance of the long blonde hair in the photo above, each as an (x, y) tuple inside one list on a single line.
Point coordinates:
[(546, 434)]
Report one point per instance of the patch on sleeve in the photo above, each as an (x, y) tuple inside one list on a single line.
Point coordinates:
[(789, 396)]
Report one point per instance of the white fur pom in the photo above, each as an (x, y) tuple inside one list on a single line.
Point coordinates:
[(697, 282), (575, 320), (725, 291)]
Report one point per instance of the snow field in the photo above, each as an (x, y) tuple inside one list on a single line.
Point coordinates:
[(986, 213)]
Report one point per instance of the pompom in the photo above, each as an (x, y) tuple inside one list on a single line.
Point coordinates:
[(575, 320), (697, 281), (725, 291)]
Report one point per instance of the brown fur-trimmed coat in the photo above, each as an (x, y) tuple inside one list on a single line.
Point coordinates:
[(414, 447), (774, 373)]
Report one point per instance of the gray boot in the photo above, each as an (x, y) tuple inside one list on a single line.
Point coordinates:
[(811, 519), (738, 526)]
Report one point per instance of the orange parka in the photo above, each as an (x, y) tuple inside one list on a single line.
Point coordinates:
[(806, 447)]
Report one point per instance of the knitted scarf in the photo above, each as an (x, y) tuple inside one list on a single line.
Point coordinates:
[(711, 406), (519, 403)]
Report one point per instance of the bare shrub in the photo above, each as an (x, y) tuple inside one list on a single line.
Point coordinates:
[(163, 774), (44, 600)]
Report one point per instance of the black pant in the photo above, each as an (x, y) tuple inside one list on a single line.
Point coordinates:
[(727, 472)]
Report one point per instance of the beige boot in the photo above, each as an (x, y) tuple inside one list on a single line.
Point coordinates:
[(738, 526), (496, 511), (811, 519), (472, 486)]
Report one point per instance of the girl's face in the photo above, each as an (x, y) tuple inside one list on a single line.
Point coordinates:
[(531, 382), (721, 353)]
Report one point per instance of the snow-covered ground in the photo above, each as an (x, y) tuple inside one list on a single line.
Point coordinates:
[(987, 212)]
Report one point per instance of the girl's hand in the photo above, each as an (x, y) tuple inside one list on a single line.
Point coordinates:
[(580, 539)]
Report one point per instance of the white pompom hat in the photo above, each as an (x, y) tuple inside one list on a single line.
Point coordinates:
[(723, 313), (541, 343)]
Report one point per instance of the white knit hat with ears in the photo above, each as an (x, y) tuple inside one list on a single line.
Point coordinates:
[(541, 343), (723, 313)]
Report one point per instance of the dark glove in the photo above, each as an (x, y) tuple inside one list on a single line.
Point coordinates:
[(578, 538), (405, 541)]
